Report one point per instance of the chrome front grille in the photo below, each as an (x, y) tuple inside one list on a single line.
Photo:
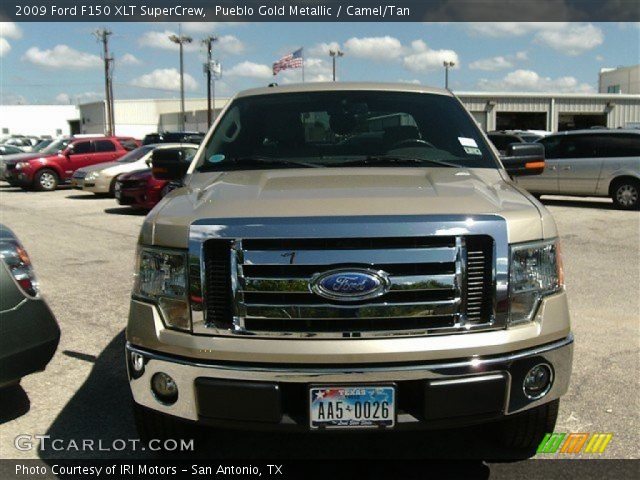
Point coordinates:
[(261, 287)]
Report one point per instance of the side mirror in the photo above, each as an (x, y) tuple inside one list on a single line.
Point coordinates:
[(68, 151), (169, 164), (524, 159)]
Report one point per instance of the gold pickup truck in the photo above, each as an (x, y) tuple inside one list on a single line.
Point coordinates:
[(349, 256)]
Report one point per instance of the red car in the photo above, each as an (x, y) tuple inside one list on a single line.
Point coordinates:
[(140, 189), (55, 164)]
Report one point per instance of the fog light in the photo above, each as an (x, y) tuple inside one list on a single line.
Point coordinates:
[(538, 381), (137, 362), (164, 388)]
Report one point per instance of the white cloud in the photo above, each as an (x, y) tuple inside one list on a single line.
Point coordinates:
[(600, 58), (500, 62), (161, 40), (62, 56), (129, 59), (374, 48), (491, 64), (208, 27), (322, 49), (165, 79), (228, 44), (250, 70), (574, 40), (530, 81), (511, 29), (63, 98), (424, 58), (12, 99), (4, 47), (10, 30), (413, 81)]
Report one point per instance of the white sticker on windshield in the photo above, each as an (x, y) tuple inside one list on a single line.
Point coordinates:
[(467, 142)]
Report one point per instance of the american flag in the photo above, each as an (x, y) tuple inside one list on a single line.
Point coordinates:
[(293, 60)]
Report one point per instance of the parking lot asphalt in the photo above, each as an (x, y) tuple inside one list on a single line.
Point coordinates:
[(83, 247)]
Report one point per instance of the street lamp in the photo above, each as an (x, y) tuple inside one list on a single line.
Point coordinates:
[(333, 54), (447, 65), (181, 40)]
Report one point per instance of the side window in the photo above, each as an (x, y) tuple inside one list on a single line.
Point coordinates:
[(615, 146), (104, 146), (82, 148), (128, 144), (551, 147), (578, 146)]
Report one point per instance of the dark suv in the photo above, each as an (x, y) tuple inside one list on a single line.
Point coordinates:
[(173, 137), (55, 164)]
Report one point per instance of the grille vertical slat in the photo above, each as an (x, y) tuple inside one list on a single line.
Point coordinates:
[(218, 293)]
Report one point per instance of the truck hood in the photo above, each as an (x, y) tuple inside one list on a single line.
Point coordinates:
[(346, 192)]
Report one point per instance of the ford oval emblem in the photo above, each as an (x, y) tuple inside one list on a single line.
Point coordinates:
[(350, 284)]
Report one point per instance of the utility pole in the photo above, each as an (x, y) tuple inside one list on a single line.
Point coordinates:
[(102, 34), (181, 40), (208, 66), (447, 65), (334, 54)]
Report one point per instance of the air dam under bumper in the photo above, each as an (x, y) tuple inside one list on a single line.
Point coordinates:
[(429, 395)]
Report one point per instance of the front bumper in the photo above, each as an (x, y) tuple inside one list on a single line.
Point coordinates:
[(99, 185), (436, 394)]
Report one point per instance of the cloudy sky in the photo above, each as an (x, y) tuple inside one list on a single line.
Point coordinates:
[(60, 62)]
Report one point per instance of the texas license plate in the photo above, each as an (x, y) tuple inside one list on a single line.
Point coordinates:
[(352, 407)]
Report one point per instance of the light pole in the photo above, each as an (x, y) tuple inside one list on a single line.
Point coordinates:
[(447, 65), (181, 40), (208, 42), (333, 54)]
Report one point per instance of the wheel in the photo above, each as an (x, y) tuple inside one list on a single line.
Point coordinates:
[(155, 425), (626, 194), (112, 187), (46, 180), (526, 430)]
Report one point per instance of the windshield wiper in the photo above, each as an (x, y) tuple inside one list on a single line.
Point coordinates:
[(377, 159), (275, 161)]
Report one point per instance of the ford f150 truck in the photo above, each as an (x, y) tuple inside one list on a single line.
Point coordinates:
[(349, 256)]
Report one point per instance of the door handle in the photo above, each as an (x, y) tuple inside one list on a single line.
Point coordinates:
[(553, 168), (566, 168)]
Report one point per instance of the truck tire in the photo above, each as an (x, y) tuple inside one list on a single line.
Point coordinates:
[(525, 431), (625, 194), (46, 180), (155, 425)]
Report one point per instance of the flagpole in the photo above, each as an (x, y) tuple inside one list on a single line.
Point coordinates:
[(302, 51)]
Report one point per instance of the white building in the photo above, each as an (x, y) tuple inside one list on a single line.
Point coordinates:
[(53, 120), (551, 111), (137, 118), (619, 80)]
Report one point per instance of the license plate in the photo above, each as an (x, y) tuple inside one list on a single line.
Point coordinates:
[(352, 407)]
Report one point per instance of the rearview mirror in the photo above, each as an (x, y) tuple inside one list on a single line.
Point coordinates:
[(169, 164), (524, 159)]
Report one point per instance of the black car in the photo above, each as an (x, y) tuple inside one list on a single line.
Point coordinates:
[(173, 137), (30, 333)]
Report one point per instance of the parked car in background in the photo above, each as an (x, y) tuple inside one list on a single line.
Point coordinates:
[(26, 144), (9, 150), (30, 333), (141, 190), (173, 137), (502, 140), (101, 178), (42, 144), (56, 164), (595, 163)]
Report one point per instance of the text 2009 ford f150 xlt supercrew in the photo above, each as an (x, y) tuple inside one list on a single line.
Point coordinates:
[(349, 256)]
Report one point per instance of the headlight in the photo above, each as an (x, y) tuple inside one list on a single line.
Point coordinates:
[(161, 277), (21, 165), (535, 271), (91, 176)]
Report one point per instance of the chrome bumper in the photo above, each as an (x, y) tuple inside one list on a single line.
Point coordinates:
[(511, 367)]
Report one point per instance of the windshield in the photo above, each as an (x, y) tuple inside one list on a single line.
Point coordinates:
[(56, 146), (137, 154), (346, 128)]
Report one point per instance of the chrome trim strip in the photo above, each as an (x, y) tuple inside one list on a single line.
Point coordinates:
[(478, 363), (376, 257), (345, 311)]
